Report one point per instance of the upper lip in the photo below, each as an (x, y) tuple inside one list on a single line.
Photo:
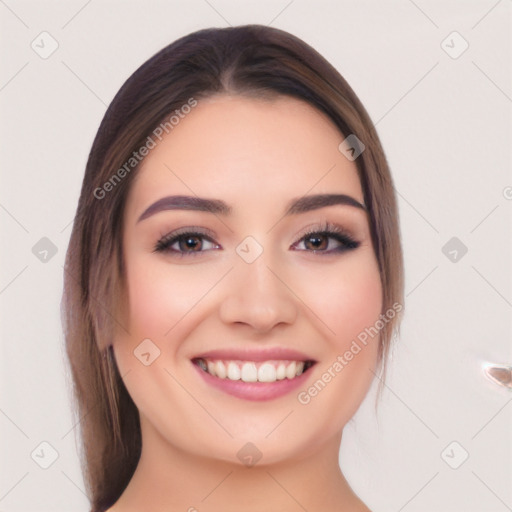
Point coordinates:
[(263, 354)]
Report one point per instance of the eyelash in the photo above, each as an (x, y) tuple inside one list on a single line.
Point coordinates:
[(326, 229)]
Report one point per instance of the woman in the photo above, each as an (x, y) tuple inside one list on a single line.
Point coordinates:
[(233, 279)]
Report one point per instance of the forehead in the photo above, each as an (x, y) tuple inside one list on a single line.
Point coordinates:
[(246, 151)]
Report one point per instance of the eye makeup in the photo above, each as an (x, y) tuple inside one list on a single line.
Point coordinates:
[(193, 238)]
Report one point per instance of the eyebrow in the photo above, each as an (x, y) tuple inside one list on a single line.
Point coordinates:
[(216, 206)]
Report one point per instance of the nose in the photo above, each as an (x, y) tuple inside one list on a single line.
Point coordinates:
[(259, 296)]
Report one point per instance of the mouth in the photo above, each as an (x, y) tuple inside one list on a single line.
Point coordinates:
[(253, 371), (254, 375)]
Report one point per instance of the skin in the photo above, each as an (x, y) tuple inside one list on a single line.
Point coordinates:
[(256, 155)]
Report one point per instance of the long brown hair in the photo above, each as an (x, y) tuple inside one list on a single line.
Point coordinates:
[(251, 60)]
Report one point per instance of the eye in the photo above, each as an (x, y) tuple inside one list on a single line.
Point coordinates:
[(322, 239), (185, 242), (327, 239)]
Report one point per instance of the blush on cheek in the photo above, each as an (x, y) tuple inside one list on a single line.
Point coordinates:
[(161, 297), (347, 308), (157, 300)]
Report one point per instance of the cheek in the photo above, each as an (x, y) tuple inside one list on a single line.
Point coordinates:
[(346, 297), (349, 301), (150, 301), (159, 296)]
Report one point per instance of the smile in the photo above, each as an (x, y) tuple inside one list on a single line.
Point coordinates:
[(252, 371), (255, 375)]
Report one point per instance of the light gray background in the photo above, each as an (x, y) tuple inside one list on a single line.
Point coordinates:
[(445, 124)]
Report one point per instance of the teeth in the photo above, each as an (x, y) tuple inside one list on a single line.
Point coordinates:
[(281, 371), (233, 371), (267, 373), (291, 370), (248, 371), (220, 370)]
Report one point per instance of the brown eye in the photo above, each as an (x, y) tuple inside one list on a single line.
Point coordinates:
[(327, 239), (318, 242), (192, 242), (185, 243)]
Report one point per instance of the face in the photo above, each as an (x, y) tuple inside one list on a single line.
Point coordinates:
[(243, 313)]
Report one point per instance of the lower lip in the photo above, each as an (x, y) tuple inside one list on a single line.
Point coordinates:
[(255, 391)]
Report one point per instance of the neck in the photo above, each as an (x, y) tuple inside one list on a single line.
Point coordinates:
[(168, 479)]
